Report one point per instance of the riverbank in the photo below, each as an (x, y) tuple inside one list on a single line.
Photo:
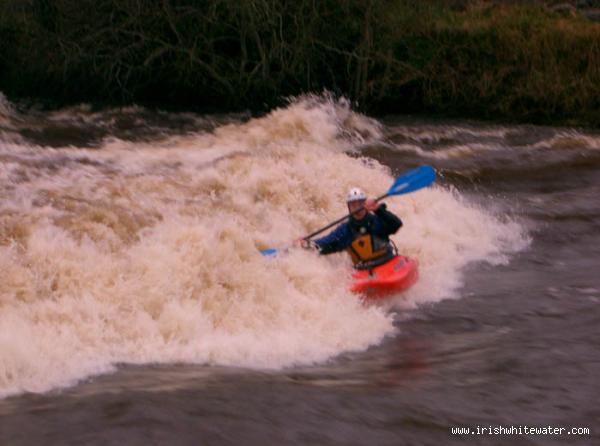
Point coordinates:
[(491, 60)]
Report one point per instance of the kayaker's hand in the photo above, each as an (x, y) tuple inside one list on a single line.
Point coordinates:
[(303, 243), (371, 205)]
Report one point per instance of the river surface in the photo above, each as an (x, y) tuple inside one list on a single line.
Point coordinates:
[(135, 308)]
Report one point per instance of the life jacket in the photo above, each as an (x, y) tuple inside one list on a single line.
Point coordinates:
[(367, 248)]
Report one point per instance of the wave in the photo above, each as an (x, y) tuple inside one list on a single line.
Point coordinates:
[(147, 251)]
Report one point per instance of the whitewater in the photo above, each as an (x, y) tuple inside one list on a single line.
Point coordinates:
[(145, 250)]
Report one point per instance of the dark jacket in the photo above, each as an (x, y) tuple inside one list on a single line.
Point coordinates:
[(382, 224)]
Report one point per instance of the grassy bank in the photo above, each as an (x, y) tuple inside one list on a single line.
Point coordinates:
[(504, 61)]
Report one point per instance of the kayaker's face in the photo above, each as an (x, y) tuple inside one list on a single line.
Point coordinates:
[(355, 205)]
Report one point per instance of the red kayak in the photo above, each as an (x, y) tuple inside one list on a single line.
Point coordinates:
[(394, 276)]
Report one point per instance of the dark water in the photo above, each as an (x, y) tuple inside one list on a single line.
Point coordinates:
[(521, 347)]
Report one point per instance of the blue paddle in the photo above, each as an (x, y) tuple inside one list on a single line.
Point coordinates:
[(409, 182)]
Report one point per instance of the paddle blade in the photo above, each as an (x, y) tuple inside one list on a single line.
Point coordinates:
[(269, 252), (413, 180)]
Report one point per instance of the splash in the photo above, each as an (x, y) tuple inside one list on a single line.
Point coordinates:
[(6, 108), (8, 115), (147, 252)]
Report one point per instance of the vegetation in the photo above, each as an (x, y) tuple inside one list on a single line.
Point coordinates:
[(501, 60)]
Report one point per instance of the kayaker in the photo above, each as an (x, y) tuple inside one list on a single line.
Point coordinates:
[(365, 235)]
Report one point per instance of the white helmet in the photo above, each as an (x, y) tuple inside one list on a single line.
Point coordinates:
[(355, 194)]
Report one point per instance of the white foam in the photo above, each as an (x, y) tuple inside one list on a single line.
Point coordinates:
[(6, 108), (8, 115), (568, 139), (148, 252), (451, 152)]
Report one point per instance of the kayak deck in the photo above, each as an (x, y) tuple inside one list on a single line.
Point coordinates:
[(397, 275)]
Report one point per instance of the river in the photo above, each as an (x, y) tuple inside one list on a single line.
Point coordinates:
[(135, 307)]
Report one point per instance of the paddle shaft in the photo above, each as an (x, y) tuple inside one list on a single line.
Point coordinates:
[(339, 220)]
